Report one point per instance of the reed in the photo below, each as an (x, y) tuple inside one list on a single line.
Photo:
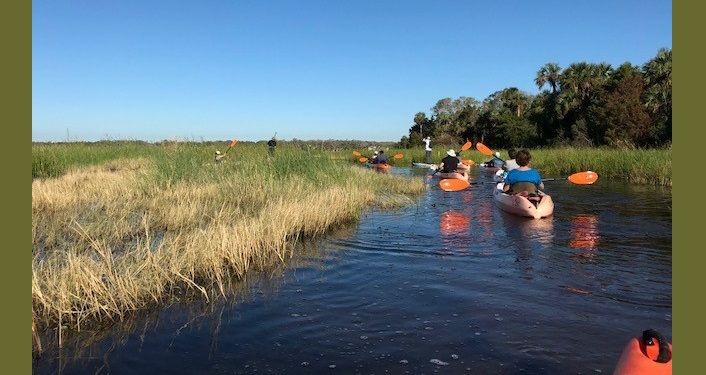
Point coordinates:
[(117, 236)]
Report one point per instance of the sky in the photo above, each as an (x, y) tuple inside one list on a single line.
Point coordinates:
[(306, 69)]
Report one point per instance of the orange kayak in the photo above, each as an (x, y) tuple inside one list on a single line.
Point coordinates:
[(650, 354), (379, 166)]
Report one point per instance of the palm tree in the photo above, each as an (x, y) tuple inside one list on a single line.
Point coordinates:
[(549, 73)]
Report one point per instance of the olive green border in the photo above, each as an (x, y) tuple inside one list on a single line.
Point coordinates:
[(17, 105), (687, 255), (16, 31)]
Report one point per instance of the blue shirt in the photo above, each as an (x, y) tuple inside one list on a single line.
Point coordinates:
[(514, 176)]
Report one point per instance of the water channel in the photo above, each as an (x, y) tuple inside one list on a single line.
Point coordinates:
[(448, 285)]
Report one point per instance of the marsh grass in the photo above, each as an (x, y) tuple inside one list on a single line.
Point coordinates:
[(118, 235)]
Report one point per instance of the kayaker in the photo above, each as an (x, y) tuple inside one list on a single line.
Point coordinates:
[(449, 163), (496, 161), (381, 158), (219, 156), (271, 144), (511, 163), (427, 149), (523, 178)]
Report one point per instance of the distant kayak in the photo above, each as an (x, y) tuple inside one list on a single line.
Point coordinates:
[(424, 165), (536, 207)]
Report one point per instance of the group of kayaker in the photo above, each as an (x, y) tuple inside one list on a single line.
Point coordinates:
[(518, 176)]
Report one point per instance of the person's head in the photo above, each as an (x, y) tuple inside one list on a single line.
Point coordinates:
[(512, 153), (427, 138), (523, 158), (451, 153), (218, 152), (382, 152), (497, 154), (375, 153)]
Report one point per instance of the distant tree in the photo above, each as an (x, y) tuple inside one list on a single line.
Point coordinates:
[(658, 95)]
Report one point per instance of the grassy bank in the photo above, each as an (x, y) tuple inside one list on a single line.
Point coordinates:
[(131, 228)]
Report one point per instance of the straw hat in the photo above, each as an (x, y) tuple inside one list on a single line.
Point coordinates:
[(451, 153)]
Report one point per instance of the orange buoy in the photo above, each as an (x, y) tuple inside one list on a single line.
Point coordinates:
[(649, 355)]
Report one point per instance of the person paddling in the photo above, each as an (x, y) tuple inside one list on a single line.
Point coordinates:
[(449, 163), (524, 178)]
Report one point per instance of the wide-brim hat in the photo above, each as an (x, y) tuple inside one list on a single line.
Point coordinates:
[(451, 153)]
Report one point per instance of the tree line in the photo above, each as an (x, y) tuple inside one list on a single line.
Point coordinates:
[(585, 104)]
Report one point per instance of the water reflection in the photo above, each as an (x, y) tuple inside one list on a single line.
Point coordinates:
[(584, 235), (528, 236), (455, 235)]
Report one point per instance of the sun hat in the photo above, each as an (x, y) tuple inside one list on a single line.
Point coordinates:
[(218, 152), (497, 154), (451, 153), (375, 153)]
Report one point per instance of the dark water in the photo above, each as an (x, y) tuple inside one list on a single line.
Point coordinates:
[(450, 285)]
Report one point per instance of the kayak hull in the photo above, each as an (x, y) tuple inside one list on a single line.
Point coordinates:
[(642, 356), (521, 206), (379, 166), (453, 175), (424, 165)]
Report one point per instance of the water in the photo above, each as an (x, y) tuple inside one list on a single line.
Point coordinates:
[(450, 285)]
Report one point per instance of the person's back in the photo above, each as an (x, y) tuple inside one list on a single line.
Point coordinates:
[(427, 149), (450, 162), (381, 159), (271, 144), (511, 163), (523, 178)]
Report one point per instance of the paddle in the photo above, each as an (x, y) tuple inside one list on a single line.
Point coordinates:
[(453, 184), (398, 156), (487, 151), (231, 146), (484, 149), (356, 153), (579, 178), (363, 159)]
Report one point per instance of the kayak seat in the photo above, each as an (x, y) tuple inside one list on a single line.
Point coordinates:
[(523, 187)]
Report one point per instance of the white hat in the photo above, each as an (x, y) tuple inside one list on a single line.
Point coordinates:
[(497, 154), (375, 153), (218, 152), (451, 153)]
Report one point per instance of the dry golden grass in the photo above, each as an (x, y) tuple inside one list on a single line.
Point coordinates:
[(108, 240)]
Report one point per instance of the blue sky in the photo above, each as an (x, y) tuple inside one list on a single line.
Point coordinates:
[(305, 69)]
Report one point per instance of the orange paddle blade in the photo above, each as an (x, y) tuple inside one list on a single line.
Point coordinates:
[(484, 149), (468, 162), (356, 153), (363, 159), (583, 178), (453, 184), (398, 156), (233, 143), (466, 146)]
